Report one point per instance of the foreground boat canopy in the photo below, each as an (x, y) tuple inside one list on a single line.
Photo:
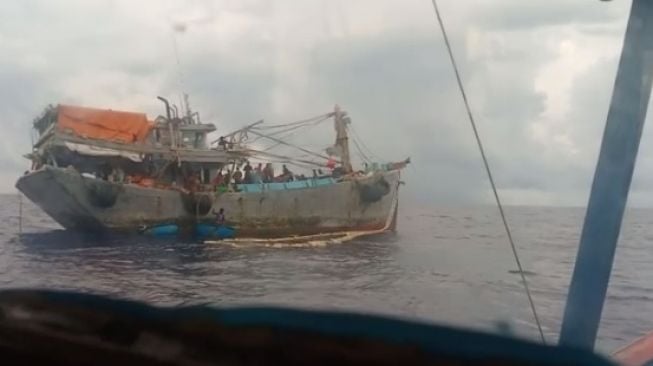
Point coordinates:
[(65, 328)]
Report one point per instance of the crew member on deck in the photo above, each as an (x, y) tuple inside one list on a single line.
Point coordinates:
[(238, 176), (268, 173), (286, 174), (222, 143), (257, 174), (248, 174), (193, 183), (218, 179), (331, 163)]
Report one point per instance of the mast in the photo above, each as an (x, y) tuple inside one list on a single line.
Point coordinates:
[(189, 114), (342, 139), (614, 171)]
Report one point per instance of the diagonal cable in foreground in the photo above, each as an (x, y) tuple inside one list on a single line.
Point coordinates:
[(487, 169)]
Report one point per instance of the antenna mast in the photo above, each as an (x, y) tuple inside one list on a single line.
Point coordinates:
[(342, 139)]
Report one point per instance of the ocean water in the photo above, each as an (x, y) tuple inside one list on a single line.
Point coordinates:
[(446, 265)]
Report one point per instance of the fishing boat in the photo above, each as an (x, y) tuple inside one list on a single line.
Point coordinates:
[(57, 328), (106, 170)]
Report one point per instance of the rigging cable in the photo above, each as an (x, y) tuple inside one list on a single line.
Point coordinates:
[(308, 120), (487, 168), (287, 159), (180, 74), (308, 127), (360, 151), (291, 130), (291, 145), (360, 140)]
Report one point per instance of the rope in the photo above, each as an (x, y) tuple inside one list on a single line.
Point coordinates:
[(180, 74), (286, 159), (292, 131), (487, 169), (20, 213), (291, 145), (360, 152), (288, 129), (360, 140), (304, 121)]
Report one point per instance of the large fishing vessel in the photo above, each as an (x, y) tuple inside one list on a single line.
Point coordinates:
[(95, 169), (59, 328)]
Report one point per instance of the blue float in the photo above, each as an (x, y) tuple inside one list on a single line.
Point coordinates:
[(212, 231), (162, 230)]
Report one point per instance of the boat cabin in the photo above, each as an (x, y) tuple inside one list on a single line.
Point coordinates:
[(127, 147)]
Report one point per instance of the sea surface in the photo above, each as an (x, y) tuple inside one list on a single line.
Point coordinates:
[(446, 265)]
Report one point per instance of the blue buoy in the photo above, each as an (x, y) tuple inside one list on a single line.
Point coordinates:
[(162, 230), (225, 232), (212, 231)]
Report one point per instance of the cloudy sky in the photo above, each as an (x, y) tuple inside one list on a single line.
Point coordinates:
[(539, 74)]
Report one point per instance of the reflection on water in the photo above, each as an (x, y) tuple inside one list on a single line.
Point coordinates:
[(445, 265)]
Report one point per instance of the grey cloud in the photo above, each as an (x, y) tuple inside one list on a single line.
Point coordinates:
[(395, 80), (528, 15), (231, 95), (404, 84)]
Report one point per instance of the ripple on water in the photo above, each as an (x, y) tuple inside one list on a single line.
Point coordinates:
[(447, 265)]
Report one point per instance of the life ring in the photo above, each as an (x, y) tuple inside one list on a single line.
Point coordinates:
[(373, 192)]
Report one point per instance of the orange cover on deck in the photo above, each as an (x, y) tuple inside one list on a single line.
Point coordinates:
[(103, 124)]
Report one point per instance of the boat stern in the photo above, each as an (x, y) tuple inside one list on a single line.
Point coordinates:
[(46, 189)]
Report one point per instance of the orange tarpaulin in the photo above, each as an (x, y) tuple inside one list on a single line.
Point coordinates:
[(102, 124)]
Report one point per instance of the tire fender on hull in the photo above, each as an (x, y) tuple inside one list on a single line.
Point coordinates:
[(373, 192), (103, 194), (197, 204)]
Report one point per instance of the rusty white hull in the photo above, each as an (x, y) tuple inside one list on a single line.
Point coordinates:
[(82, 203)]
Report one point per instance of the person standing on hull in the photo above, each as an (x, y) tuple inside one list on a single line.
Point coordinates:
[(220, 218)]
